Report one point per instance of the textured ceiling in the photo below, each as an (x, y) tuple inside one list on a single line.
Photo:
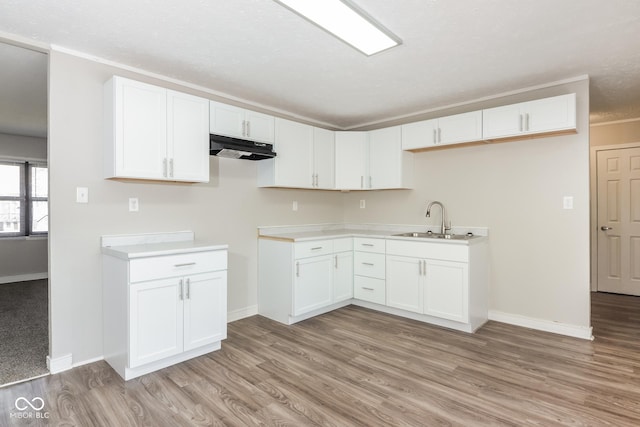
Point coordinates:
[(453, 50)]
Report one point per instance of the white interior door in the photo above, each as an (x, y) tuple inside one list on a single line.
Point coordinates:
[(618, 180)]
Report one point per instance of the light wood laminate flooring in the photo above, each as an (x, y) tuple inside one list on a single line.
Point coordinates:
[(363, 368)]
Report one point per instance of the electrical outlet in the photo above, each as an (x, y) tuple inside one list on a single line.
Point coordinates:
[(567, 202), (294, 206), (134, 206), (363, 204), (82, 195)]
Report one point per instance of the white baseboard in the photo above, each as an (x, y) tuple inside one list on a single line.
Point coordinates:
[(23, 277), (59, 364), (86, 362), (241, 313), (542, 325)]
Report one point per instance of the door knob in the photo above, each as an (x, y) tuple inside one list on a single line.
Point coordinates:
[(605, 228)]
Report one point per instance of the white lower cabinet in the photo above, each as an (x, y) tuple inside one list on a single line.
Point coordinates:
[(343, 275), (313, 285), (161, 310), (441, 283), (445, 282), (300, 280), (433, 287)]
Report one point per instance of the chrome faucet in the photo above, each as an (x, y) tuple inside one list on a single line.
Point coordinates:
[(443, 227)]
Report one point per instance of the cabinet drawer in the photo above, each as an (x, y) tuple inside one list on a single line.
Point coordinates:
[(369, 289), (314, 248), (428, 250), (343, 245), (369, 264), (369, 245), (176, 265)]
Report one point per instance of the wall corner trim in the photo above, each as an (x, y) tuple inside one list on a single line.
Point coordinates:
[(241, 313), (59, 364), (575, 331)]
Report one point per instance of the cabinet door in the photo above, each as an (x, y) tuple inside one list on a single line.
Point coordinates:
[(460, 128), (205, 309), (187, 137), (226, 120), (385, 158), (259, 127), (501, 121), (351, 160), (140, 126), (446, 290), (313, 284), (343, 276), (404, 283), (294, 162), (324, 158), (419, 134), (155, 321), (551, 114)]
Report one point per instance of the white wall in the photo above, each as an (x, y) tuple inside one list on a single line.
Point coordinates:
[(539, 252), (227, 210), (22, 258)]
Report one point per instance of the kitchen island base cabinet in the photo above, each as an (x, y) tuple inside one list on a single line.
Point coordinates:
[(156, 317)]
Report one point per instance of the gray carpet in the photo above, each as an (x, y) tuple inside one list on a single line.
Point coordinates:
[(24, 330)]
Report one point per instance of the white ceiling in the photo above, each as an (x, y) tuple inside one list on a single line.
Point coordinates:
[(453, 51)]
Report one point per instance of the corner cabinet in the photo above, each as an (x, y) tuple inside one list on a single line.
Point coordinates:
[(164, 309), (300, 280), (372, 160), (154, 133)]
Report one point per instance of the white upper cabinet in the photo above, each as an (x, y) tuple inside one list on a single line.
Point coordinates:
[(237, 122), (352, 160), (305, 158), (324, 159), (456, 129), (154, 133), (389, 166), (548, 115), (187, 137), (372, 160)]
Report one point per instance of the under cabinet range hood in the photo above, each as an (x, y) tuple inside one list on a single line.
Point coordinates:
[(234, 148)]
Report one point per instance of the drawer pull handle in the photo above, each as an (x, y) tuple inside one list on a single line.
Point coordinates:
[(368, 289), (188, 288), (181, 284), (316, 248), (186, 264), (367, 244), (368, 263)]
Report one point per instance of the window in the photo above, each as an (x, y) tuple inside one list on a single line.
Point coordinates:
[(24, 199)]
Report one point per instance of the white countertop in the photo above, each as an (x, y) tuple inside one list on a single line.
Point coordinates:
[(382, 231), (155, 244)]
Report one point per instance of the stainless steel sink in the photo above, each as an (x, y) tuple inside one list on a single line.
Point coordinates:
[(430, 235)]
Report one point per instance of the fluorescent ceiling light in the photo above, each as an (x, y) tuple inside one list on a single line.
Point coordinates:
[(347, 22)]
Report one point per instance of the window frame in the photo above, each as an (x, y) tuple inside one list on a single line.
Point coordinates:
[(25, 198)]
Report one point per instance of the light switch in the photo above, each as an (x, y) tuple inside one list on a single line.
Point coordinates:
[(294, 206), (133, 204), (82, 195), (363, 204), (567, 202)]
